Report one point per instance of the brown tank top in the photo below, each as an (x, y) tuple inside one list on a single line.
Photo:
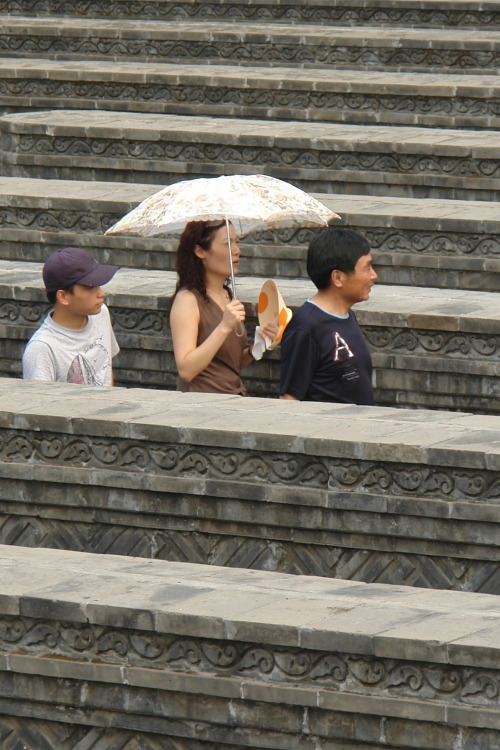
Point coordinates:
[(223, 373)]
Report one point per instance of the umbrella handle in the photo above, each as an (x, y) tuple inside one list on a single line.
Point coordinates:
[(240, 329), (231, 269)]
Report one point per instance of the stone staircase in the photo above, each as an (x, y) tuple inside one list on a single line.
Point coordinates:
[(389, 112), (449, 100)]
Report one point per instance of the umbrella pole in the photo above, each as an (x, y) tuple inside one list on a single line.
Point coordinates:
[(233, 283), (240, 329)]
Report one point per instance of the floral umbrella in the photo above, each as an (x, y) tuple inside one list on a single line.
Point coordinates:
[(250, 202)]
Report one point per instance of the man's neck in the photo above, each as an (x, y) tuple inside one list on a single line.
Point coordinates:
[(68, 319), (331, 303)]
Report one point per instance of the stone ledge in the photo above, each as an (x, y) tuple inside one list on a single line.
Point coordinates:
[(189, 647), (433, 100), (273, 44), (166, 148), (376, 12), (375, 494), (434, 13)]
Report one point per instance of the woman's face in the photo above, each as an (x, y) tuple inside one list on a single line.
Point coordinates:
[(216, 259)]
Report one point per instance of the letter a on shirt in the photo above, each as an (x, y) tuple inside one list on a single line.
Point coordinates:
[(340, 345)]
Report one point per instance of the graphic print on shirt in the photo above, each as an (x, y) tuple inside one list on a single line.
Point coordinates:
[(340, 345), (89, 367), (342, 353)]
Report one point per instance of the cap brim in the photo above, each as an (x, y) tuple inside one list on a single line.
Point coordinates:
[(99, 276)]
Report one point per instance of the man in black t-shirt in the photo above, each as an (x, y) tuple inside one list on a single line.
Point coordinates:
[(324, 356)]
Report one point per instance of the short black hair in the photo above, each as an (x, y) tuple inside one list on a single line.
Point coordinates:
[(334, 249), (52, 296)]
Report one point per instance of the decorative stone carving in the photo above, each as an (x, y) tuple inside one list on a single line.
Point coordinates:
[(302, 158)]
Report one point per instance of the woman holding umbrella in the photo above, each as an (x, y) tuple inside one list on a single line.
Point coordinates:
[(209, 338)]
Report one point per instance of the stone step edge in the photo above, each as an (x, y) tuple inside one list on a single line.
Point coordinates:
[(119, 198), (253, 607), (441, 438), (249, 32), (241, 131), (433, 308), (276, 78)]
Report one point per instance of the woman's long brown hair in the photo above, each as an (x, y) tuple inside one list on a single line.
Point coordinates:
[(190, 269)]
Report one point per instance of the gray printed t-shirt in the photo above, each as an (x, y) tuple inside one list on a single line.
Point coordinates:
[(61, 354)]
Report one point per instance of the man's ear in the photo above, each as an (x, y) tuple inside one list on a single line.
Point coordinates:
[(337, 278), (62, 296)]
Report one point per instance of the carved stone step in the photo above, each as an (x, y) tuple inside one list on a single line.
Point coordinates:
[(149, 653), (330, 158), (405, 13), (431, 348), (448, 244), (184, 41), (423, 99)]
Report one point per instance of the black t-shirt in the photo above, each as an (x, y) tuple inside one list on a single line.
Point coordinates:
[(325, 358)]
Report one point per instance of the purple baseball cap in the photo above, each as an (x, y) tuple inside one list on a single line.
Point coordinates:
[(72, 265)]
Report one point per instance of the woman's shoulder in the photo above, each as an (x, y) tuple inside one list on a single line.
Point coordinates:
[(188, 296)]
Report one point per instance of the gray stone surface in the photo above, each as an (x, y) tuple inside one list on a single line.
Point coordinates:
[(106, 652), (363, 493), (426, 49), (434, 13), (111, 651), (329, 158), (279, 93)]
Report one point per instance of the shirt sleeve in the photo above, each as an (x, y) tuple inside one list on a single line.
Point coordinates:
[(298, 362), (38, 362)]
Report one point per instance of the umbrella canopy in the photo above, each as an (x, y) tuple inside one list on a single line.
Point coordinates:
[(250, 202)]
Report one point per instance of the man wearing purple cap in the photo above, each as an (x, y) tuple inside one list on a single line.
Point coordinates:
[(75, 343)]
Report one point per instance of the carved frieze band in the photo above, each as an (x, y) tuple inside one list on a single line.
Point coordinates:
[(348, 475), (318, 669), (54, 220), (306, 12), (386, 339), (298, 158), (451, 345), (195, 95), (247, 51), (381, 239)]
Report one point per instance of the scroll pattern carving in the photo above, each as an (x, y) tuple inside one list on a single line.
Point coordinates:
[(443, 344), (22, 312), (305, 13), (394, 241), (267, 468), (381, 239), (125, 320), (460, 244), (271, 52), (297, 158), (55, 220), (337, 671), (333, 103)]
